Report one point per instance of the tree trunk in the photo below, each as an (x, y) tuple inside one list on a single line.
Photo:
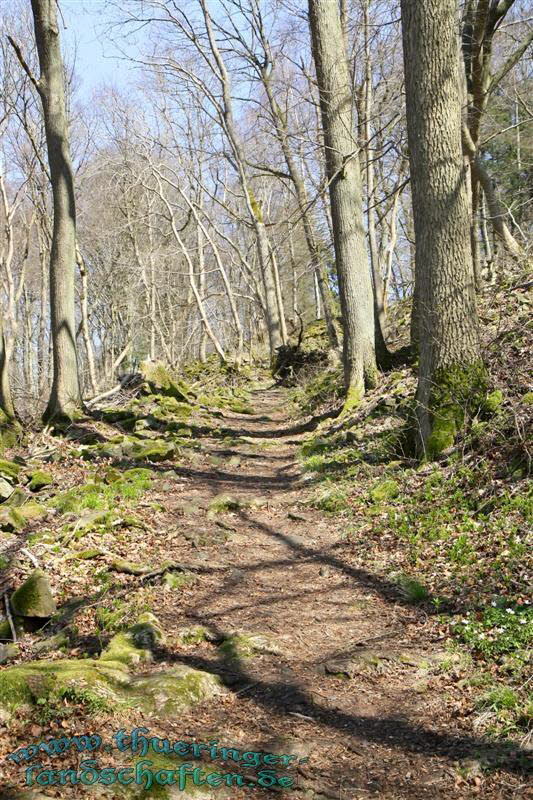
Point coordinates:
[(7, 409), (451, 375), (84, 303), (65, 398), (342, 165), (321, 278), (382, 352)]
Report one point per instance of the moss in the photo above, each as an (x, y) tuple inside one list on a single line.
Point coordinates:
[(492, 402), (194, 635), (110, 475), (443, 432), (167, 692), (147, 631), (31, 510), (354, 395), (34, 598), (177, 580), (176, 689), (11, 519), (123, 648), (256, 206), (527, 399), (86, 555), (161, 381), (17, 498), (457, 394), (10, 432), (26, 684), (245, 645), (154, 450), (385, 490), (9, 470), (39, 480), (223, 503)]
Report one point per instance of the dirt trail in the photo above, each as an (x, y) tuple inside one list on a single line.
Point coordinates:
[(279, 567)]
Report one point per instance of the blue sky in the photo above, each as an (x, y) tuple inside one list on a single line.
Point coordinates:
[(97, 59)]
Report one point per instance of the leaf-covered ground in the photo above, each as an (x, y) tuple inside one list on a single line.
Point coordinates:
[(363, 612)]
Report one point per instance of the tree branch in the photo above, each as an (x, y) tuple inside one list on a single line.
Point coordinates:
[(18, 52), (513, 59)]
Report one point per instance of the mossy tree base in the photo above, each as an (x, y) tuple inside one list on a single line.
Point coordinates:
[(445, 405)]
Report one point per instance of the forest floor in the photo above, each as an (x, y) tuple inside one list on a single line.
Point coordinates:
[(323, 658)]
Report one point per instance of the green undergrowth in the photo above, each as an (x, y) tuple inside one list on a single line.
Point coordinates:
[(221, 385), (100, 496), (452, 537), (325, 388)]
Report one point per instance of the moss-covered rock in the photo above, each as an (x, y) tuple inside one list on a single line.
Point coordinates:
[(9, 470), (18, 497), (153, 450), (147, 631), (51, 643), (135, 645), (225, 502), (35, 681), (30, 511), (240, 646), (161, 381), (385, 490), (8, 652), (166, 693), (6, 490), (176, 689), (11, 520), (34, 598), (194, 634), (39, 480), (122, 648)]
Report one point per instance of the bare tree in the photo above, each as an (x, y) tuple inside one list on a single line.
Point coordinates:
[(344, 177), (65, 398)]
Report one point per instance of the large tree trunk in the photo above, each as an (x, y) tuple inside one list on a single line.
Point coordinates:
[(65, 397), (451, 374), (342, 164)]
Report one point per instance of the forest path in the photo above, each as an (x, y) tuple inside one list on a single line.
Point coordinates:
[(346, 675)]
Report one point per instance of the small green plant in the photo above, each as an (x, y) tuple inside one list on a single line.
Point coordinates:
[(412, 590), (499, 699), (497, 630), (333, 500), (92, 703), (461, 551)]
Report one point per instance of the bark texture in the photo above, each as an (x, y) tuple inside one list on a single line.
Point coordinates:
[(450, 374), (65, 397), (343, 172)]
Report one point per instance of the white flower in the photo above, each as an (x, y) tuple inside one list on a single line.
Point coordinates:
[(509, 610), (522, 621)]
